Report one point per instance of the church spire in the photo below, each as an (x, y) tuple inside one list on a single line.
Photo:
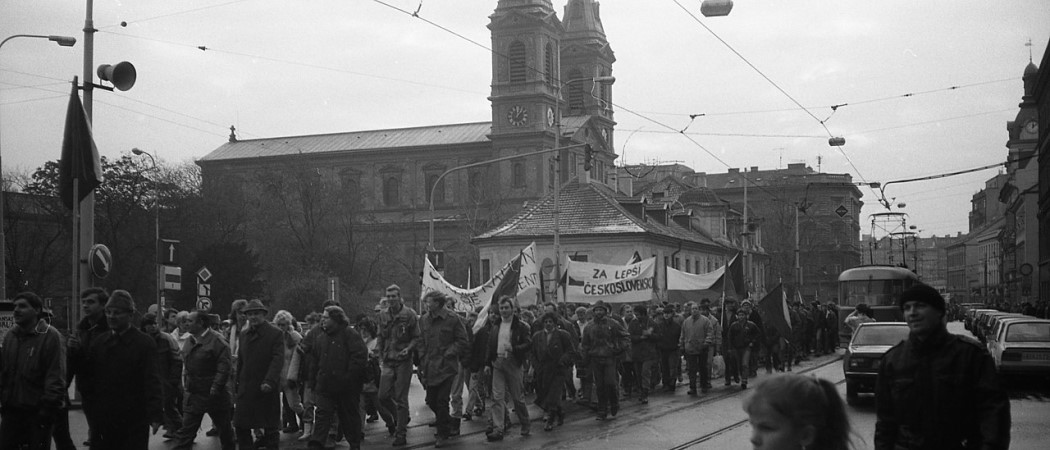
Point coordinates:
[(583, 21)]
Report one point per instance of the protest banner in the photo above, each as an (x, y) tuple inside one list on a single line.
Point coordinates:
[(590, 282)]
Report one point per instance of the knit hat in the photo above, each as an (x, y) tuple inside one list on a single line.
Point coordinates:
[(121, 299), (600, 304), (922, 293)]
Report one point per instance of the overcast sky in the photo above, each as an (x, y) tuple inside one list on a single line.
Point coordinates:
[(278, 68)]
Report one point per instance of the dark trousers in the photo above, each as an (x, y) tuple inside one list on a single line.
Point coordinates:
[(437, 400), (270, 440), (110, 434), (696, 365), (171, 395), (345, 407), (60, 432), (25, 427), (668, 367), (604, 372), (218, 408), (628, 377)]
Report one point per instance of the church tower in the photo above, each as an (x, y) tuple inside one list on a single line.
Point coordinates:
[(585, 55), (526, 36)]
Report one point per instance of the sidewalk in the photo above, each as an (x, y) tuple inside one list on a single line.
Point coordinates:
[(421, 435)]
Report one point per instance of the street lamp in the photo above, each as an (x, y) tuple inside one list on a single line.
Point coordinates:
[(557, 166), (156, 236), (64, 41)]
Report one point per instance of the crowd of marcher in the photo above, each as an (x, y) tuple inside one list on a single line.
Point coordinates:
[(258, 375)]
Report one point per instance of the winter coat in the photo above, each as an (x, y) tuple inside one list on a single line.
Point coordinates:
[(938, 394), (291, 343), (744, 334), (605, 338), (444, 340), (697, 335), (207, 362), (643, 347), (520, 340), (668, 334), (261, 356), (168, 361), (88, 329), (33, 368), (397, 332), (123, 378), (337, 359)]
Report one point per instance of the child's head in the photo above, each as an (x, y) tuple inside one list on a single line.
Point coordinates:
[(790, 411)]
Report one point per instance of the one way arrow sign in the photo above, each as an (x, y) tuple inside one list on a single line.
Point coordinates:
[(168, 251)]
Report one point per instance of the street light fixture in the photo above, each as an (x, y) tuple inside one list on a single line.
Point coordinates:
[(716, 8), (156, 236), (64, 41)]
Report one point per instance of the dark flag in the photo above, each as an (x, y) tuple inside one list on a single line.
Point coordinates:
[(80, 162), (635, 259), (508, 285), (732, 281), (775, 311)]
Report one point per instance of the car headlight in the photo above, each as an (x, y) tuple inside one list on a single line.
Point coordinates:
[(859, 363)]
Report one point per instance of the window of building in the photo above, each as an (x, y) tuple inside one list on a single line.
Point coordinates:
[(475, 187), (688, 266), (518, 67), (573, 161), (391, 191), (575, 91), (548, 63), (438, 191), (486, 269), (603, 91), (518, 174)]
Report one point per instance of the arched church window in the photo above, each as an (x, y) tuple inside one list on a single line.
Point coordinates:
[(518, 174), (391, 191), (474, 184), (604, 91), (576, 91), (518, 68), (438, 191), (548, 63)]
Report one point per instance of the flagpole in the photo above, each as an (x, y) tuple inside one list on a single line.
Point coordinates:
[(86, 219), (75, 284)]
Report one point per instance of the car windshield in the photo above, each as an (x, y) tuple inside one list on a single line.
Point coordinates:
[(1028, 332), (880, 335)]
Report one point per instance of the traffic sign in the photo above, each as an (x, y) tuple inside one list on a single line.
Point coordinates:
[(203, 304), (841, 211), (203, 290), (168, 249), (100, 261), (204, 274), (172, 278)]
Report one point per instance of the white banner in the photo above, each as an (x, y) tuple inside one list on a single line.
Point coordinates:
[(468, 299), (590, 282), (684, 281)]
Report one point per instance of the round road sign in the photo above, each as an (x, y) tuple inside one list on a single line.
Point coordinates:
[(203, 304), (100, 261)]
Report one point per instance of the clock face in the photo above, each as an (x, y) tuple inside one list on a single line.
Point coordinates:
[(1032, 127), (518, 116), (550, 117), (605, 134)]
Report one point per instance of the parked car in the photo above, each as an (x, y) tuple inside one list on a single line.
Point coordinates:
[(861, 361), (1022, 347), (983, 329), (971, 315)]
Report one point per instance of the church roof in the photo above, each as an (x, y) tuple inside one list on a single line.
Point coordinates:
[(435, 135), (587, 209)]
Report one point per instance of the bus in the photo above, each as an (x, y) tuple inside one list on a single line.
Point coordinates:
[(879, 287)]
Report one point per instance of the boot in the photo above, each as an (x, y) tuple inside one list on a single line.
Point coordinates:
[(308, 429), (453, 428)]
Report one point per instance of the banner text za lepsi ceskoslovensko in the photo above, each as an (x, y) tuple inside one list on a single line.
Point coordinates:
[(590, 282)]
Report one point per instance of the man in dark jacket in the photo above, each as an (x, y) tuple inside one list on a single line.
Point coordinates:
[(397, 340), (92, 325), (508, 344), (604, 340), (643, 350), (258, 393), (553, 352), (744, 338), (207, 364), (169, 369), (668, 331), (32, 377), (937, 390), (123, 383), (337, 363), (444, 343)]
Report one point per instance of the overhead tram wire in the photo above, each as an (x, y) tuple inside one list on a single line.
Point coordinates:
[(176, 13)]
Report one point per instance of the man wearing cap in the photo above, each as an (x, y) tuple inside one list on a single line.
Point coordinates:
[(398, 336), (123, 382), (937, 390), (258, 393), (32, 377), (207, 369), (604, 341)]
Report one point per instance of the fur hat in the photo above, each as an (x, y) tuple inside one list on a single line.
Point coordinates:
[(121, 299), (922, 293)]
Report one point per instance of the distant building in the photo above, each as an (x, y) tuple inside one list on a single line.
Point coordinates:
[(928, 257), (1019, 195), (1042, 100)]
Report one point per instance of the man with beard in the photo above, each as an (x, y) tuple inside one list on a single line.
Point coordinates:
[(336, 375), (32, 377), (207, 369), (604, 341), (122, 381), (258, 394)]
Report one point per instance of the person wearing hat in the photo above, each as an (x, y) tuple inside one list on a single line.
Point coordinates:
[(604, 341), (32, 377), (258, 369), (938, 390), (123, 381)]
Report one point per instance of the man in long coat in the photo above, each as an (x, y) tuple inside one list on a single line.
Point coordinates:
[(258, 393)]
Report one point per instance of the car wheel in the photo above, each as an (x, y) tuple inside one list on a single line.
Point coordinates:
[(852, 396)]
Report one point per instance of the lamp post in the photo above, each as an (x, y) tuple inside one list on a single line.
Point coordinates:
[(64, 41), (156, 237), (557, 164)]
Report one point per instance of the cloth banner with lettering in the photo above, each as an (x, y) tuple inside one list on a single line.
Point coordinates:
[(590, 282), (527, 286)]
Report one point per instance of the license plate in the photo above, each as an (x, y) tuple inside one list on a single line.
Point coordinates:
[(1031, 356)]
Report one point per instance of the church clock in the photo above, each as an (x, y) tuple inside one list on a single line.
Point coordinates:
[(517, 115)]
